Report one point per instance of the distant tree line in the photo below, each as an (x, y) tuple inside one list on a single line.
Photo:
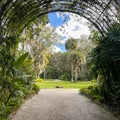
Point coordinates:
[(72, 64)]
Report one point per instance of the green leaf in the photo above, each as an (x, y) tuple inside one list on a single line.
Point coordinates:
[(21, 59)]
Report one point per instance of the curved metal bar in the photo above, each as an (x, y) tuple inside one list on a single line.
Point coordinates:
[(97, 12), (96, 25)]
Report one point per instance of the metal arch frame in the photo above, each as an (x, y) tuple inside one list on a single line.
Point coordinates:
[(101, 26), (96, 25), (99, 13)]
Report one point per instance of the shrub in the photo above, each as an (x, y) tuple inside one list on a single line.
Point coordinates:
[(11, 100), (36, 88), (39, 80)]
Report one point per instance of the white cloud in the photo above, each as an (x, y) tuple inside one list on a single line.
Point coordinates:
[(62, 40), (74, 28), (58, 14), (48, 25), (55, 49)]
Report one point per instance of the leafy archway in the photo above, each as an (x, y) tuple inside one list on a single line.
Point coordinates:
[(15, 15)]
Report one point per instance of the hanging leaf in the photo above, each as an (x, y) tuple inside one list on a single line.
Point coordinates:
[(21, 59)]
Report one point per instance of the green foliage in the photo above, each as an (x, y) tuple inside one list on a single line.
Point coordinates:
[(71, 44), (94, 36), (12, 100), (106, 56), (95, 92), (17, 81), (58, 67), (26, 69), (39, 38), (39, 80), (76, 57), (105, 64), (115, 94), (65, 76), (21, 59), (36, 88)]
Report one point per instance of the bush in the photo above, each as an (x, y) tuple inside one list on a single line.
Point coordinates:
[(39, 80), (65, 77), (12, 100), (36, 88)]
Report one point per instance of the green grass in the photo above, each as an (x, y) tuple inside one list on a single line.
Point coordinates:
[(64, 84)]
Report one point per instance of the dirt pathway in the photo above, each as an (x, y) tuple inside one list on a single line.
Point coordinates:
[(61, 104)]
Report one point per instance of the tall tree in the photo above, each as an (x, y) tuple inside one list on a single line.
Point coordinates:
[(85, 46), (71, 44), (38, 39), (59, 66), (75, 57)]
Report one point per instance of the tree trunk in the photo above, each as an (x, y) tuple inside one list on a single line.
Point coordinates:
[(76, 74), (71, 72), (44, 74)]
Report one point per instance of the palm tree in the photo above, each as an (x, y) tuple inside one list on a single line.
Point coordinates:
[(75, 57), (71, 44), (46, 62)]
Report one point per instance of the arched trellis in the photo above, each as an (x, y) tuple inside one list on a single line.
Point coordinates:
[(15, 15)]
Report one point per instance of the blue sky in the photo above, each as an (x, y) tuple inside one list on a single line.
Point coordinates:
[(57, 20), (68, 23)]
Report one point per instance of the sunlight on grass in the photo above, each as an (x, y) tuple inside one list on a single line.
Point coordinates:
[(64, 84)]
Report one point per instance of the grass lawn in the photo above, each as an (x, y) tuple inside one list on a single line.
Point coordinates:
[(64, 84)]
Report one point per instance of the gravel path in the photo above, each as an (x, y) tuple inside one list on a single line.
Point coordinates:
[(61, 104)]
